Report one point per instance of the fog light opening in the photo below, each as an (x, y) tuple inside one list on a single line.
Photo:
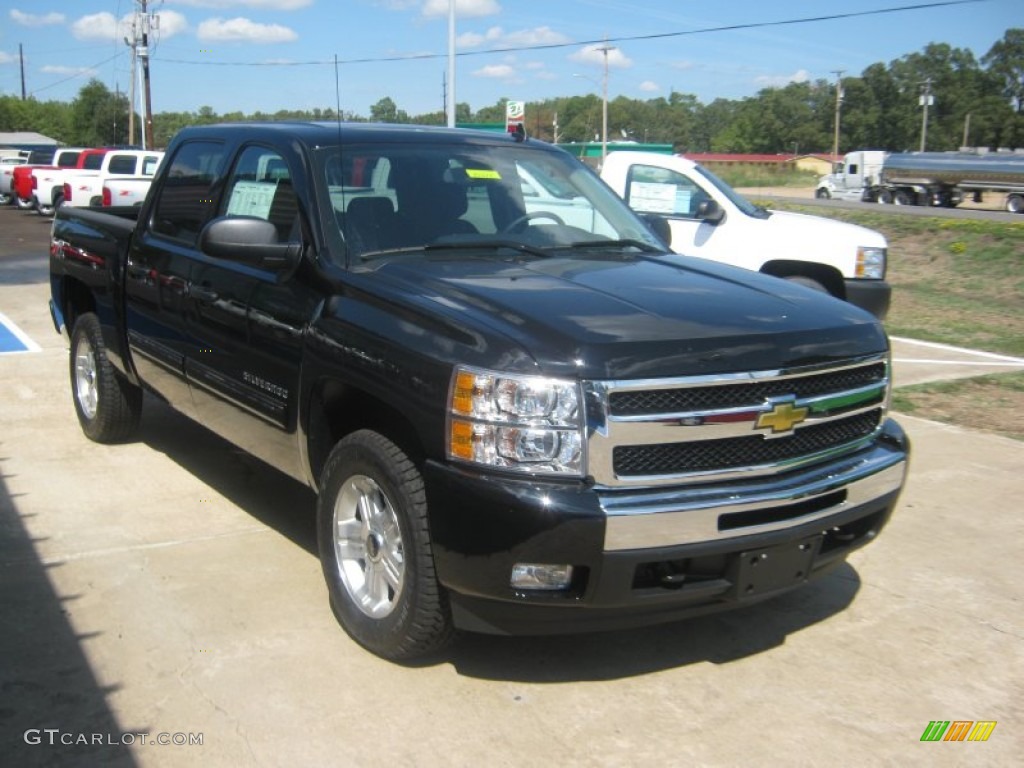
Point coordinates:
[(541, 576)]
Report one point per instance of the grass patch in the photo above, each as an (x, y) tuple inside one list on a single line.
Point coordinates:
[(990, 403), (954, 281), (765, 177)]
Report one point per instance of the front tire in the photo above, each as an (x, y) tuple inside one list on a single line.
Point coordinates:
[(375, 549), (822, 194), (107, 405), (808, 282)]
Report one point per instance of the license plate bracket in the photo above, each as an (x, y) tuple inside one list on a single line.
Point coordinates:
[(770, 569)]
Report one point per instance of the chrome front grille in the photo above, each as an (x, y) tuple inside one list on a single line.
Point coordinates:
[(655, 432)]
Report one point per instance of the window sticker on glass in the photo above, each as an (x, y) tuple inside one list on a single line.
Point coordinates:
[(683, 201), (251, 198), (654, 198), (482, 173)]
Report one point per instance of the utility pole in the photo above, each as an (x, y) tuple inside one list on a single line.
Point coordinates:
[(926, 100), (839, 103), (147, 126), (450, 95), (133, 44), (604, 103), (21, 56)]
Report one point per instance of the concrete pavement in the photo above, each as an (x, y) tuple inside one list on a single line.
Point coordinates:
[(170, 586)]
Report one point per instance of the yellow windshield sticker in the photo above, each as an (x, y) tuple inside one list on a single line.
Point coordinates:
[(482, 173)]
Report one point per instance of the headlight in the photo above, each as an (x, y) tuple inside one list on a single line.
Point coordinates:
[(871, 263), (520, 423)]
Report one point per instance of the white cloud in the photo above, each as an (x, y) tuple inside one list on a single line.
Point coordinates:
[(592, 54), (496, 37), (243, 30), (496, 71), (6, 58), (31, 20), (649, 86), (103, 27), (267, 5), (781, 81), (58, 69), (171, 23), (464, 9), (96, 26)]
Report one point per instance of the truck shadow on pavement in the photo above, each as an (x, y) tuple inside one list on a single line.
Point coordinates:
[(269, 496), (287, 507), (50, 699), (718, 638)]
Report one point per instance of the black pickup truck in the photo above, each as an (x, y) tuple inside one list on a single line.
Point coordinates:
[(519, 416)]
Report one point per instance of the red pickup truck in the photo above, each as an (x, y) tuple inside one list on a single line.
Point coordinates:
[(68, 157)]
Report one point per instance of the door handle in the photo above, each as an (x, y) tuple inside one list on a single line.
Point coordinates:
[(202, 293)]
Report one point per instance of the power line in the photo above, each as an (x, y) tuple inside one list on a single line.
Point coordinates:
[(90, 70), (576, 43)]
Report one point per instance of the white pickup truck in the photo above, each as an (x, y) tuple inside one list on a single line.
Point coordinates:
[(85, 188), (707, 218), (48, 182), (7, 164), (125, 191)]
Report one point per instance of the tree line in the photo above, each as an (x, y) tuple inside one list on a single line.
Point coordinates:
[(976, 103)]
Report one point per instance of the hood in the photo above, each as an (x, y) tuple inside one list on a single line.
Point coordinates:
[(621, 317), (806, 229)]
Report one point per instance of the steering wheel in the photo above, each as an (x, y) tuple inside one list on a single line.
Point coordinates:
[(516, 223)]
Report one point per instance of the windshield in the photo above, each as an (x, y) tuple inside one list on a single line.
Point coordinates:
[(734, 197), (403, 198)]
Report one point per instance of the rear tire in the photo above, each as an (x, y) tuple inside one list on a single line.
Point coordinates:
[(885, 197), (107, 405), (903, 198), (23, 205), (50, 210), (375, 549), (1015, 204)]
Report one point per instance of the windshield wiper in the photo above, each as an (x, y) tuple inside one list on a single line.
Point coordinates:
[(467, 245), (624, 243)]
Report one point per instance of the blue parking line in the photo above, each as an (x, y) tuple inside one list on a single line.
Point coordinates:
[(13, 339)]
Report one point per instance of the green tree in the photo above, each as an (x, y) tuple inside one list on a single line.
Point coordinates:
[(1005, 60), (386, 111), (99, 117)]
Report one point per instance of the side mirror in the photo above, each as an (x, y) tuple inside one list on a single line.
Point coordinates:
[(710, 211), (248, 240), (659, 226)]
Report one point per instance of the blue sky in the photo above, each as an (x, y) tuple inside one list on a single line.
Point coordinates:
[(278, 54)]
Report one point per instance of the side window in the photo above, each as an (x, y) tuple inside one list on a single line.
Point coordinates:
[(93, 162), (852, 170), (122, 164), (149, 165), (185, 201), (659, 190), (260, 185)]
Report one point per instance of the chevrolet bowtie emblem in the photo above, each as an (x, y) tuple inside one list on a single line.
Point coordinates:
[(781, 418)]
